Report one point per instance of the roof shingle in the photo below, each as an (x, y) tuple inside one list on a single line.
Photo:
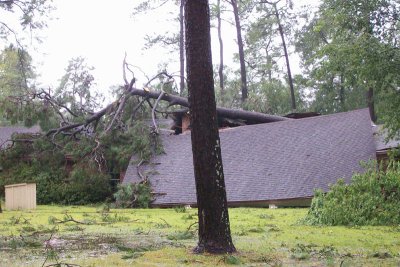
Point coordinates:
[(7, 132), (273, 161)]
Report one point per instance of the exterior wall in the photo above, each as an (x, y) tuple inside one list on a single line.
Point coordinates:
[(20, 196), (295, 202)]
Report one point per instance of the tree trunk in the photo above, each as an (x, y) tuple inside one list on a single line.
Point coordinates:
[(182, 48), (221, 50), (269, 65), (214, 229), (289, 72), (254, 117), (371, 104), (341, 93), (243, 77)]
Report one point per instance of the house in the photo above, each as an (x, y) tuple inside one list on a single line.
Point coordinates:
[(383, 146), (279, 163), (7, 132)]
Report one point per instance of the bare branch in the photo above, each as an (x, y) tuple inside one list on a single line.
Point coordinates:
[(153, 115)]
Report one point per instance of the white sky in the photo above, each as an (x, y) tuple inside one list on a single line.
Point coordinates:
[(102, 32)]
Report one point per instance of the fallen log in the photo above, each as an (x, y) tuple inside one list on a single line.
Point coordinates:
[(255, 117)]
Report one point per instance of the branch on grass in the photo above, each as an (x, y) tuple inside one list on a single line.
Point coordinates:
[(190, 226), (67, 219), (60, 264)]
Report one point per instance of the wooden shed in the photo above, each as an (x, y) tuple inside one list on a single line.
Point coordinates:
[(20, 196)]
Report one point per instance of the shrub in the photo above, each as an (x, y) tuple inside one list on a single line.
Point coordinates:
[(95, 162), (372, 198)]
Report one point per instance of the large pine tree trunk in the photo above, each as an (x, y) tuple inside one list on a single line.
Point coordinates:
[(214, 229)]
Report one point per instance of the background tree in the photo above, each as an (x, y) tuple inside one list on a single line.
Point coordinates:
[(17, 86), (218, 12), (30, 14), (173, 41), (352, 48), (76, 90), (214, 229), (240, 43), (285, 51), (267, 32)]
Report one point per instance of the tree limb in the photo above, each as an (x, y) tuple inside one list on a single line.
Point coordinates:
[(252, 117)]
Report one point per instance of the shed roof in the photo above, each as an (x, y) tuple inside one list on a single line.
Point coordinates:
[(273, 161), (7, 132)]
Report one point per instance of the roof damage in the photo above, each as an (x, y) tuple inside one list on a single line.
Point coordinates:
[(267, 162)]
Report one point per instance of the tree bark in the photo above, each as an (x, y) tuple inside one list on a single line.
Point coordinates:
[(243, 77), (371, 104), (221, 50), (214, 228), (255, 117), (182, 48), (341, 92), (289, 72)]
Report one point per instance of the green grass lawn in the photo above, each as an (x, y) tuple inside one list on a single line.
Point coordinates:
[(94, 236)]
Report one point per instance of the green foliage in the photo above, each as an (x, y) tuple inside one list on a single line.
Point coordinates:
[(30, 14), (39, 162), (372, 198), (16, 78), (76, 89), (231, 260), (349, 48), (272, 97), (133, 195), (181, 235), (79, 171)]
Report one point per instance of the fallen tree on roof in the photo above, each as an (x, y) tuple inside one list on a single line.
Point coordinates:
[(255, 117), (248, 116)]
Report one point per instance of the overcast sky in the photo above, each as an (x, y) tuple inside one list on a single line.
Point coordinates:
[(102, 32)]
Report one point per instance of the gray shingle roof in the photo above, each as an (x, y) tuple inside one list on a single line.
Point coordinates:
[(380, 135), (6, 133), (274, 161)]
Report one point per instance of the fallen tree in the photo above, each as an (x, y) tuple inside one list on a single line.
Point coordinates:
[(223, 112), (117, 106)]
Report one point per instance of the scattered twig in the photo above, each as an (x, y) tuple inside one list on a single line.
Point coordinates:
[(165, 222), (190, 226), (69, 219)]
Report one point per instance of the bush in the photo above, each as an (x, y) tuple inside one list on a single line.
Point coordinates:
[(372, 198), (84, 181)]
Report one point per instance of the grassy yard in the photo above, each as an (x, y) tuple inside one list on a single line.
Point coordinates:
[(96, 236)]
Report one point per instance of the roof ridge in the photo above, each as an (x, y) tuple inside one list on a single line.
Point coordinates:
[(320, 117)]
